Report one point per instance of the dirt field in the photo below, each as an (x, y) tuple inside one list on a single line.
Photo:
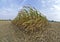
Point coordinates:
[(10, 33)]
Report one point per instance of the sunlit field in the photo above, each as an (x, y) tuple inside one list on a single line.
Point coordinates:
[(9, 32), (29, 20), (30, 25)]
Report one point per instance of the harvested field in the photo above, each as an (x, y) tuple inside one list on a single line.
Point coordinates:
[(10, 33)]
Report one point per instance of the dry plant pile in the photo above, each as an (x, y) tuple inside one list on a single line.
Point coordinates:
[(30, 20), (34, 25)]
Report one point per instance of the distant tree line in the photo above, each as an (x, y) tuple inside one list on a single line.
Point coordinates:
[(52, 21), (5, 19)]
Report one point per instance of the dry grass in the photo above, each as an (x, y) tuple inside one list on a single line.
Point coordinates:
[(11, 33)]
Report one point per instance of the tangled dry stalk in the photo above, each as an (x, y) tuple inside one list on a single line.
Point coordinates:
[(30, 20)]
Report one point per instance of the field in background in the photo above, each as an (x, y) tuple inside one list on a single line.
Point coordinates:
[(8, 32)]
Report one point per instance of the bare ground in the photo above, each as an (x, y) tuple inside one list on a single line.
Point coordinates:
[(10, 33)]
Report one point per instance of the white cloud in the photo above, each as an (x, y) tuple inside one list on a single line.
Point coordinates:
[(43, 1), (56, 7), (11, 10), (55, 12), (57, 1)]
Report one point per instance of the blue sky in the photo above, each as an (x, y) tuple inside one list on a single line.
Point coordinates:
[(50, 8)]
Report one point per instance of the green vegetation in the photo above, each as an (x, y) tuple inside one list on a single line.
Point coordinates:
[(30, 20)]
